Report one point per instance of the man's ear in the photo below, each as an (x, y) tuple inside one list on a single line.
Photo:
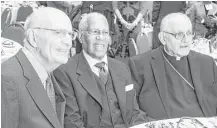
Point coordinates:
[(80, 37), (110, 41), (162, 38), (31, 38)]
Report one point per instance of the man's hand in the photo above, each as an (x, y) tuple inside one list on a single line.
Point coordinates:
[(212, 19)]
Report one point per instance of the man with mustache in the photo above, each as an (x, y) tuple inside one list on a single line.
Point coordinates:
[(98, 89)]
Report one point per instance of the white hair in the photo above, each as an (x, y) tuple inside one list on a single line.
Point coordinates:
[(171, 18), (85, 18)]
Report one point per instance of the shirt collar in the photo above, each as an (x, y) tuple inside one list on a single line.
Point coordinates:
[(40, 70), (91, 61), (177, 57)]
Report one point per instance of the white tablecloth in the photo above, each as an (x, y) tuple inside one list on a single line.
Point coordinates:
[(184, 122)]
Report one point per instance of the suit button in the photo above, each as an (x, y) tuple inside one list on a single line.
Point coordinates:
[(108, 89), (113, 114), (110, 101)]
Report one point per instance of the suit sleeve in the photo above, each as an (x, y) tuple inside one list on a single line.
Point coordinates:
[(138, 116), (215, 79), (72, 118), (9, 104), (136, 77)]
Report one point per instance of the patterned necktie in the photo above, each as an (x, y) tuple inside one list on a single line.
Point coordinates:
[(103, 74), (50, 92)]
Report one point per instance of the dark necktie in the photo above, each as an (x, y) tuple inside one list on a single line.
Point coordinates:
[(50, 92), (103, 74)]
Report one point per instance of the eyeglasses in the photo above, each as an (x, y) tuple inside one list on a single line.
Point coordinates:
[(181, 35), (97, 32), (61, 33)]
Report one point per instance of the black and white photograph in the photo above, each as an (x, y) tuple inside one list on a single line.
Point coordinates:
[(108, 64)]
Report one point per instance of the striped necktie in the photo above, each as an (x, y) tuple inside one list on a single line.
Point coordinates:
[(103, 74), (50, 92)]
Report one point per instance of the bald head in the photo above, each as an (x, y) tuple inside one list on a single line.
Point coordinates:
[(174, 21), (47, 17), (48, 36), (91, 17), (176, 34)]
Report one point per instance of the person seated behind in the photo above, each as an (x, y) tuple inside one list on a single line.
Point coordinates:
[(29, 98), (65, 6), (98, 89), (203, 16), (172, 81), (160, 10)]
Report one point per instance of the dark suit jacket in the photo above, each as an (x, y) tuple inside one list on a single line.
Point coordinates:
[(83, 99), (61, 5), (25, 103), (148, 73)]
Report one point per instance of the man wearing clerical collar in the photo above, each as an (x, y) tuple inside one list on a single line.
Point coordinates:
[(172, 81), (98, 89)]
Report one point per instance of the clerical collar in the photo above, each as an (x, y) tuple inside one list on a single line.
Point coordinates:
[(167, 54)]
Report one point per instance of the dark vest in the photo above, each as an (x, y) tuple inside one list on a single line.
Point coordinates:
[(111, 114)]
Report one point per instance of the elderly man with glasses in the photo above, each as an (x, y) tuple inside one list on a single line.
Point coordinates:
[(98, 89), (172, 81), (31, 98)]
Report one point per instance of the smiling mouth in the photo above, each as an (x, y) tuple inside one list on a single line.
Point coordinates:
[(184, 46), (62, 50), (99, 45)]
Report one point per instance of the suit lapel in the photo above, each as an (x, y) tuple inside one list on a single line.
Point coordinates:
[(60, 101), (36, 90), (87, 79), (119, 86), (195, 73), (158, 68)]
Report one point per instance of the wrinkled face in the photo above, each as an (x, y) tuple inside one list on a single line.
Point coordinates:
[(96, 38), (179, 47), (54, 44)]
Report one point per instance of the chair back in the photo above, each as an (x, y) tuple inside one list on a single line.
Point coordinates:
[(14, 32), (23, 12), (6, 18), (144, 42)]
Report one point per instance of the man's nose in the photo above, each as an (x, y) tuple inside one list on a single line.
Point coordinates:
[(67, 41), (186, 38), (99, 37)]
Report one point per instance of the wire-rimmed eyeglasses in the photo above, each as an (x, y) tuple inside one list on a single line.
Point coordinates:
[(61, 33), (97, 32), (181, 35)]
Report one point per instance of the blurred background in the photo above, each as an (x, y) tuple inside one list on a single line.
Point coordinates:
[(134, 25)]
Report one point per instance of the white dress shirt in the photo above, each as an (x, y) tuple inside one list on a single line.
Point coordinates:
[(40, 70), (91, 61)]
